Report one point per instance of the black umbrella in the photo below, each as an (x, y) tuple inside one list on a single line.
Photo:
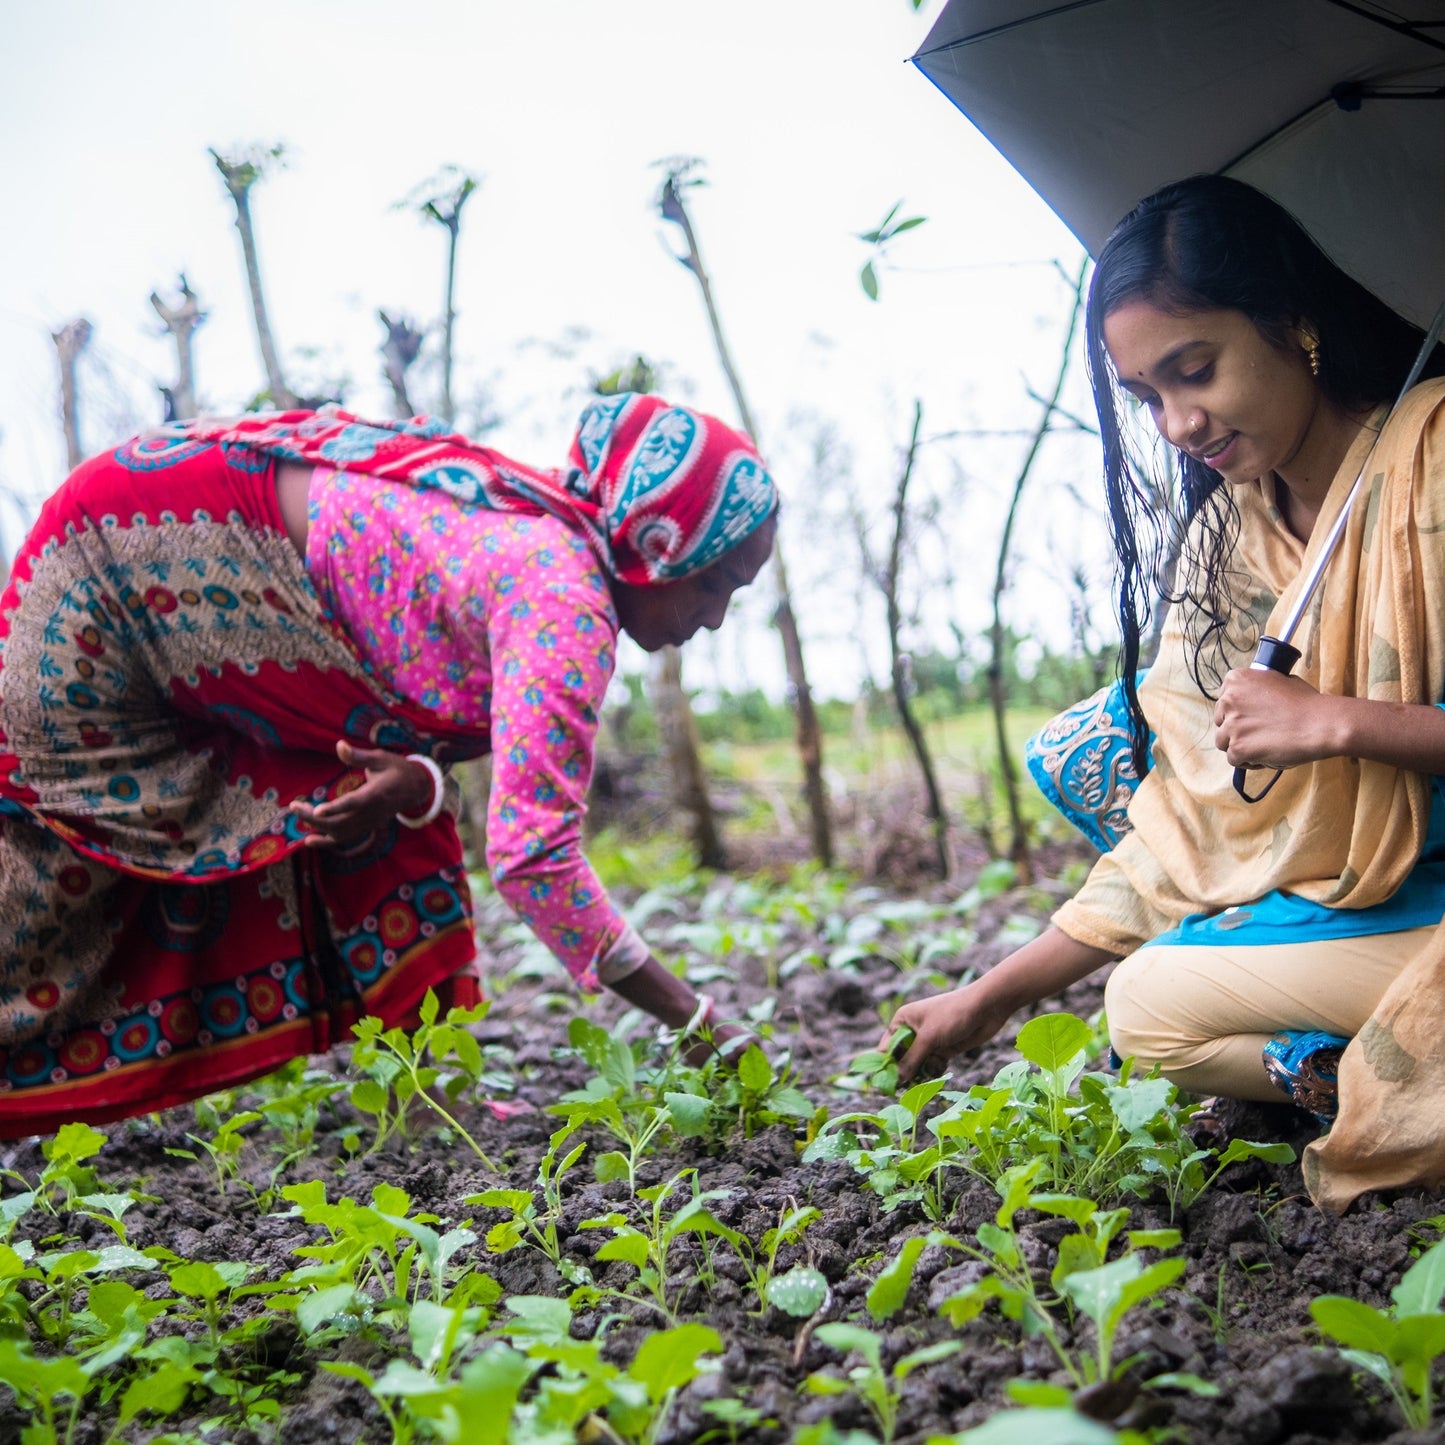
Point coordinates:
[(1336, 108)]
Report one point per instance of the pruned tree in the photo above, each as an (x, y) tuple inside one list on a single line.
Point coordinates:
[(181, 321), (70, 341), (1019, 851), (937, 816), (886, 576), (240, 170), (678, 178), (398, 352), (441, 199), (677, 731)]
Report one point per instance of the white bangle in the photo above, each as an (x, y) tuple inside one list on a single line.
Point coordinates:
[(701, 1015), (438, 795)]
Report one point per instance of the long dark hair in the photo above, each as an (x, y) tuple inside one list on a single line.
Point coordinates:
[(1211, 243)]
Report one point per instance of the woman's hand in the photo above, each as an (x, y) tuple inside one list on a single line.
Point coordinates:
[(673, 1002), (1273, 720), (393, 785), (972, 1015), (944, 1025)]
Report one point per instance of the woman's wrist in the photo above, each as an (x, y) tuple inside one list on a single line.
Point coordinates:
[(411, 818)]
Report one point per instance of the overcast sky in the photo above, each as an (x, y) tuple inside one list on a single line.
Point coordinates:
[(809, 121)]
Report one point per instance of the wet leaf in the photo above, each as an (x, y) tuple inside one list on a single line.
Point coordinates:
[(800, 1292)]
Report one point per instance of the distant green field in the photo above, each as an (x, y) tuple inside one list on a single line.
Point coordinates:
[(963, 749)]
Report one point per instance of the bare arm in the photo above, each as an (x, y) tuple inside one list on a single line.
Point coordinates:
[(1265, 719), (673, 1001), (950, 1023)]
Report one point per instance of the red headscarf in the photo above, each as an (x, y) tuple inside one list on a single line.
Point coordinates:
[(659, 491)]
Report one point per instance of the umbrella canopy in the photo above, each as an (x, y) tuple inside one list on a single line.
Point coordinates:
[(1336, 108)]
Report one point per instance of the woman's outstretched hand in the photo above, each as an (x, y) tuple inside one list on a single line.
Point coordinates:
[(947, 1024), (952, 1023), (393, 785)]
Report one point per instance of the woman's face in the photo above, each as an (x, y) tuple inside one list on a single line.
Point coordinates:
[(1218, 390), (668, 614)]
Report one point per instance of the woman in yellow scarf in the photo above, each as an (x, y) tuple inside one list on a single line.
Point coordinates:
[(1258, 938)]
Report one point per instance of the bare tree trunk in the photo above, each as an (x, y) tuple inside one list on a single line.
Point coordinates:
[(809, 735), (398, 352), (70, 341), (240, 174), (441, 199), (936, 814), (181, 321), (680, 747), (1018, 831), (453, 224)]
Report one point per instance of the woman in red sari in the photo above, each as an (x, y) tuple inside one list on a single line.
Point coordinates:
[(195, 620)]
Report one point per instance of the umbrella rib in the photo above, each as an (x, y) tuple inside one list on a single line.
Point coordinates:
[(1264, 140), (1407, 28), (997, 30)]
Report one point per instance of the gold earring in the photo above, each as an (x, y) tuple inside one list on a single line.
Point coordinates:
[(1311, 344)]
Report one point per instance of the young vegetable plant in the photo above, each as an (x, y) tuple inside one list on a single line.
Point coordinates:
[(378, 1262), (886, 1147), (799, 1291), (718, 1099), (530, 1225), (1103, 1291), (647, 1249), (878, 1388), (1100, 1137), (224, 1142), (1398, 1346), (396, 1063)]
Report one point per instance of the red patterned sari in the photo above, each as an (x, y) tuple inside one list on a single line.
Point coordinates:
[(169, 683)]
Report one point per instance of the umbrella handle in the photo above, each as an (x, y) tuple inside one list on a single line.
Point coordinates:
[(1271, 655)]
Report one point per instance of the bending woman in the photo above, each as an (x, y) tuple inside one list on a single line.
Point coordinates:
[(1269, 371), (194, 622)]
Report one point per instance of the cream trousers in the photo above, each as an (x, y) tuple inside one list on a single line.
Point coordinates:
[(1204, 1014)]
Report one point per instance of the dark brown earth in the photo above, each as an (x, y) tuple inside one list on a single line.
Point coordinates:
[(1258, 1251)]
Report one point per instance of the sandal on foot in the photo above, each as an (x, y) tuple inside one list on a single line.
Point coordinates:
[(1304, 1065)]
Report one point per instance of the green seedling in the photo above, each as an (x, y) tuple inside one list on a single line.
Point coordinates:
[(291, 1101), (63, 1274), (377, 1263), (67, 1183), (528, 1225), (225, 1142), (1398, 1346), (634, 1130), (876, 1387), (1101, 1137), (1103, 1292), (799, 1291), (717, 1100), (887, 1148), (581, 1396), (41, 1385), (647, 1249), (424, 1394), (878, 1068), (398, 1072)]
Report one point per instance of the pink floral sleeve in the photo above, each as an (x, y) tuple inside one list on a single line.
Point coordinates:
[(552, 636)]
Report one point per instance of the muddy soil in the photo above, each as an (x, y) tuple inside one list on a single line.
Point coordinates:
[(1258, 1251)]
